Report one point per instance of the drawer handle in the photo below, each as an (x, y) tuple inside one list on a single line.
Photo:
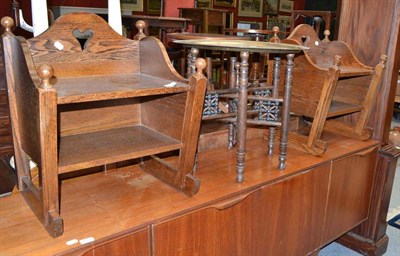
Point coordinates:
[(231, 201)]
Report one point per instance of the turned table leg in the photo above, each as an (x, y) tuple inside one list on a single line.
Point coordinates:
[(286, 111), (242, 115)]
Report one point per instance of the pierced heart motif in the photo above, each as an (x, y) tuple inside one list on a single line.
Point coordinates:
[(83, 37)]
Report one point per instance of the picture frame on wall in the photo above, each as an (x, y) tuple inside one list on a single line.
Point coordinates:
[(132, 5), (285, 6), (203, 4), (271, 7), (287, 20), (153, 7), (250, 8), (224, 3)]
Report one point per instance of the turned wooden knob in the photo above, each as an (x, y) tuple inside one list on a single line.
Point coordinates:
[(200, 65), (194, 52), (237, 65), (244, 57), (327, 33), (275, 38), (7, 23), (45, 72), (140, 25), (337, 60)]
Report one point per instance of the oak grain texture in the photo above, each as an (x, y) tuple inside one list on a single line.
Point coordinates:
[(79, 105), (329, 82)]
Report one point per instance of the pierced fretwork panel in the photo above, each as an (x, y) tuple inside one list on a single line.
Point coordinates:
[(269, 110), (262, 93), (211, 104)]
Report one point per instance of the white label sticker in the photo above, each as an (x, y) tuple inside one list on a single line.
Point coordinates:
[(172, 84), (86, 240), (71, 242), (58, 45)]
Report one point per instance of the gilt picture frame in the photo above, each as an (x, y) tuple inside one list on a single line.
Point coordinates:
[(132, 5), (153, 7), (203, 4), (271, 7), (224, 3), (250, 8), (285, 6)]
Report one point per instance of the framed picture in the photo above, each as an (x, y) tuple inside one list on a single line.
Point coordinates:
[(153, 7), (250, 8), (270, 7), (224, 3), (287, 20), (132, 5), (285, 6), (203, 4)]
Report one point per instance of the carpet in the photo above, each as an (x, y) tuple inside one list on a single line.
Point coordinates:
[(395, 221)]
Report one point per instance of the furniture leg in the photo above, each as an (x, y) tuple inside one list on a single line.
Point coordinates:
[(286, 112), (312, 144), (328, 90), (275, 88), (242, 115), (210, 85), (232, 85), (192, 56), (181, 177)]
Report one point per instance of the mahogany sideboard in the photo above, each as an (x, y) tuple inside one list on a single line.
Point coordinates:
[(128, 212)]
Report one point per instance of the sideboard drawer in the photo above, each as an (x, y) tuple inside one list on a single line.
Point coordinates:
[(134, 244)]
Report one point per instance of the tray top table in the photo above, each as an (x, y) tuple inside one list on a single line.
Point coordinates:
[(244, 47)]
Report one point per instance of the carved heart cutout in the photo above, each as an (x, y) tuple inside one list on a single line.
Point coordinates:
[(305, 39), (83, 37)]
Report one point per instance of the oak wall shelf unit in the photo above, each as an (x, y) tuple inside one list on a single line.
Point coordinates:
[(76, 105)]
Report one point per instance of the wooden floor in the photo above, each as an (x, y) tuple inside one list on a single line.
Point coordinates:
[(101, 205)]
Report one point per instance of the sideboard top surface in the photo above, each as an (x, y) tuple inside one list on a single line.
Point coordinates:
[(103, 205)]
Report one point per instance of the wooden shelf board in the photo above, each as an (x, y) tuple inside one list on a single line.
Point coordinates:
[(351, 71), (338, 108), (84, 89), (103, 147)]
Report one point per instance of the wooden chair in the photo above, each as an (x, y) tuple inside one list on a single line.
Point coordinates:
[(329, 82), (314, 18), (79, 105)]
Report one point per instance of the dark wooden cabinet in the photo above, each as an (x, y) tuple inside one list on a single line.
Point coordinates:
[(6, 146), (7, 177)]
